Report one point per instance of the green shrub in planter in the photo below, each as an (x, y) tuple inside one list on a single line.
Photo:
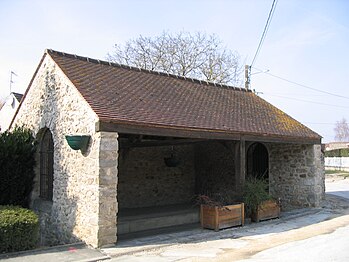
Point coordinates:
[(19, 229), (255, 192)]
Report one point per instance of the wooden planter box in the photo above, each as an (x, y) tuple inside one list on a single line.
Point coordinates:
[(267, 210), (215, 217)]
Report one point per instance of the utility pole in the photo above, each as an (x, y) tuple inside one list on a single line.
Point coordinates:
[(247, 77)]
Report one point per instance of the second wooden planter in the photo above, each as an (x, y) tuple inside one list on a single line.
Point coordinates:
[(267, 210), (219, 217)]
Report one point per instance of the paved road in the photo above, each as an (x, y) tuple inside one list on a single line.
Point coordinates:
[(338, 187), (319, 234), (65, 253), (322, 248)]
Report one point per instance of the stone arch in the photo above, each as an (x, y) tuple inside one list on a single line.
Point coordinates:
[(257, 161)]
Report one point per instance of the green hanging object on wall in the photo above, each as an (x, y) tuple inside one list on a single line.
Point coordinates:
[(172, 161), (78, 142)]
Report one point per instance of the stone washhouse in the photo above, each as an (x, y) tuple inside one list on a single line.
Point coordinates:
[(155, 142)]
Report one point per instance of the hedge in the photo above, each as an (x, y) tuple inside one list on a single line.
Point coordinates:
[(19, 229), (344, 152), (16, 167)]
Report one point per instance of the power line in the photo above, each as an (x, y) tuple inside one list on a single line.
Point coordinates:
[(307, 101), (314, 123), (271, 13), (308, 87), (298, 84), (295, 94)]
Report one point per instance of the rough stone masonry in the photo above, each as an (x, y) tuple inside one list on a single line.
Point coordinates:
[(84, 203)]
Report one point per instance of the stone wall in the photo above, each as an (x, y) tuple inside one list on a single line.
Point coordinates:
[(107, 191), (145, 180), (296, 174), (215, 169), (75, 212)]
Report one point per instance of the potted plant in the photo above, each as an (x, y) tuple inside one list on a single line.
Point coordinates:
[(216, 213), (260, 205)]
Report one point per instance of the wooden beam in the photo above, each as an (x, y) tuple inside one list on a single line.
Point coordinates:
[(165, 131), (240, 166), (242, 162), (279, 139), (154, 143), (197, 133)]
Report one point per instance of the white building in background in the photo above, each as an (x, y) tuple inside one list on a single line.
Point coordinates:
[(8, 110), (336, 145)]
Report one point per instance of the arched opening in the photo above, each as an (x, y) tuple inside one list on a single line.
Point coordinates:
[(46, 165), (258, 161)]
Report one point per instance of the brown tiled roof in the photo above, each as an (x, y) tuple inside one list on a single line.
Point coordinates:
[(134, 97)]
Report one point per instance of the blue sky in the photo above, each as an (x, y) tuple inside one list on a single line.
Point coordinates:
[(307, 42)]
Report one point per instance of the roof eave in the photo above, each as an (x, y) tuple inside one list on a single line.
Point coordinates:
[(198, 133)]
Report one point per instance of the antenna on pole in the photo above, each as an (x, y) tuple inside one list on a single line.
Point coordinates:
[(11, 81), (247, 77)]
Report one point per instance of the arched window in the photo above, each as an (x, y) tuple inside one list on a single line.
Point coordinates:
[(258, 161), (46, 166)]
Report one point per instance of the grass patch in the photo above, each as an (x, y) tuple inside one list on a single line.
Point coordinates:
[(337, 172)]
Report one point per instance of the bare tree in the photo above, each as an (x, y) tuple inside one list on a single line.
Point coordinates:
[(196, 55), (342, 130)]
